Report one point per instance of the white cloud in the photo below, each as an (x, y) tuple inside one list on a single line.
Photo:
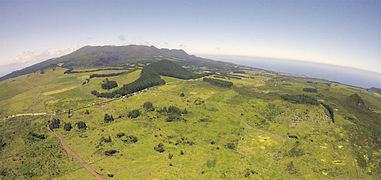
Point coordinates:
[(40, 55)]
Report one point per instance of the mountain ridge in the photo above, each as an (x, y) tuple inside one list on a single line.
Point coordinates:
[(107, 56)]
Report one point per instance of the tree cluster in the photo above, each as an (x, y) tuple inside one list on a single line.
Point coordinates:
[(218, 82), (300, 99), (149, 77), (311, 90), (107, 84), (330, 111)]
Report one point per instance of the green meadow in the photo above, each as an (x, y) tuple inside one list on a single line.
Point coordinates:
[(244, 131)]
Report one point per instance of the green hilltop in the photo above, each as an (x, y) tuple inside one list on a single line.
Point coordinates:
[(139, 112)]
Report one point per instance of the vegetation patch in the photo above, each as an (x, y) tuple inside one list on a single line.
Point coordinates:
[(218, 82), (300, 99)]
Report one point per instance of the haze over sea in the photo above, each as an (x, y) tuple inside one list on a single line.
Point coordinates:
[(344, 75)]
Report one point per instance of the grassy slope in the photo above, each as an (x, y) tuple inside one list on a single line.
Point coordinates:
[(251, 116)]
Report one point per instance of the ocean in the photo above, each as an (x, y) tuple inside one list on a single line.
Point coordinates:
[(345, 75)]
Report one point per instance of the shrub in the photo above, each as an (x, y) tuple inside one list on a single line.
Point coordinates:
[(108, 118), (119, 135), (110, 152), (148, 106), (173, 110), (67, 126), (55, 123), (170, 156), (81, 125), (38, 136), (230, 145), (159, 148), (130, 139), (133, 114), (173, 117), (106, 140)]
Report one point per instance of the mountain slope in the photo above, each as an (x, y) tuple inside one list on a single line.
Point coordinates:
[(110, 56)]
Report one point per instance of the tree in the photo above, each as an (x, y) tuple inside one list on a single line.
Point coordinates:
[(67, 126), (148, 106), (108, 118)]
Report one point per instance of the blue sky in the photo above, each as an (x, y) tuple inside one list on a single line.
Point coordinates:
[(346, 33)]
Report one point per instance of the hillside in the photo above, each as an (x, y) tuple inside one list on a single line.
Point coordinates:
[(111, 56), (128, 118)]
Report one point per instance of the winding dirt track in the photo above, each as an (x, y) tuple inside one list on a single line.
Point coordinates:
[(88, 168)]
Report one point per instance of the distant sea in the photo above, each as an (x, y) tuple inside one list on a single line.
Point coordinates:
[(344, 75)]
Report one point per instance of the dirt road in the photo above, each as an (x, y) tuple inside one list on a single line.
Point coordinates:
[(88, 168)]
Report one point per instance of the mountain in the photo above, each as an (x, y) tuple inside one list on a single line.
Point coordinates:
[(376, 90), (111, 56)]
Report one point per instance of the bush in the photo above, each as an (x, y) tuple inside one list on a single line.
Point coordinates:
[(110, 152), (119, 135), (231, 146), (106, 140), (133, 114), (108, 118), (130, 139), (81, 125), (173, 117), (159, 148), (38, 136), (148, 106), (174, 110), (67, 126)]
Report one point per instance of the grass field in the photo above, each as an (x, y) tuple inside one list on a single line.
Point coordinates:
[(245, 131)]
